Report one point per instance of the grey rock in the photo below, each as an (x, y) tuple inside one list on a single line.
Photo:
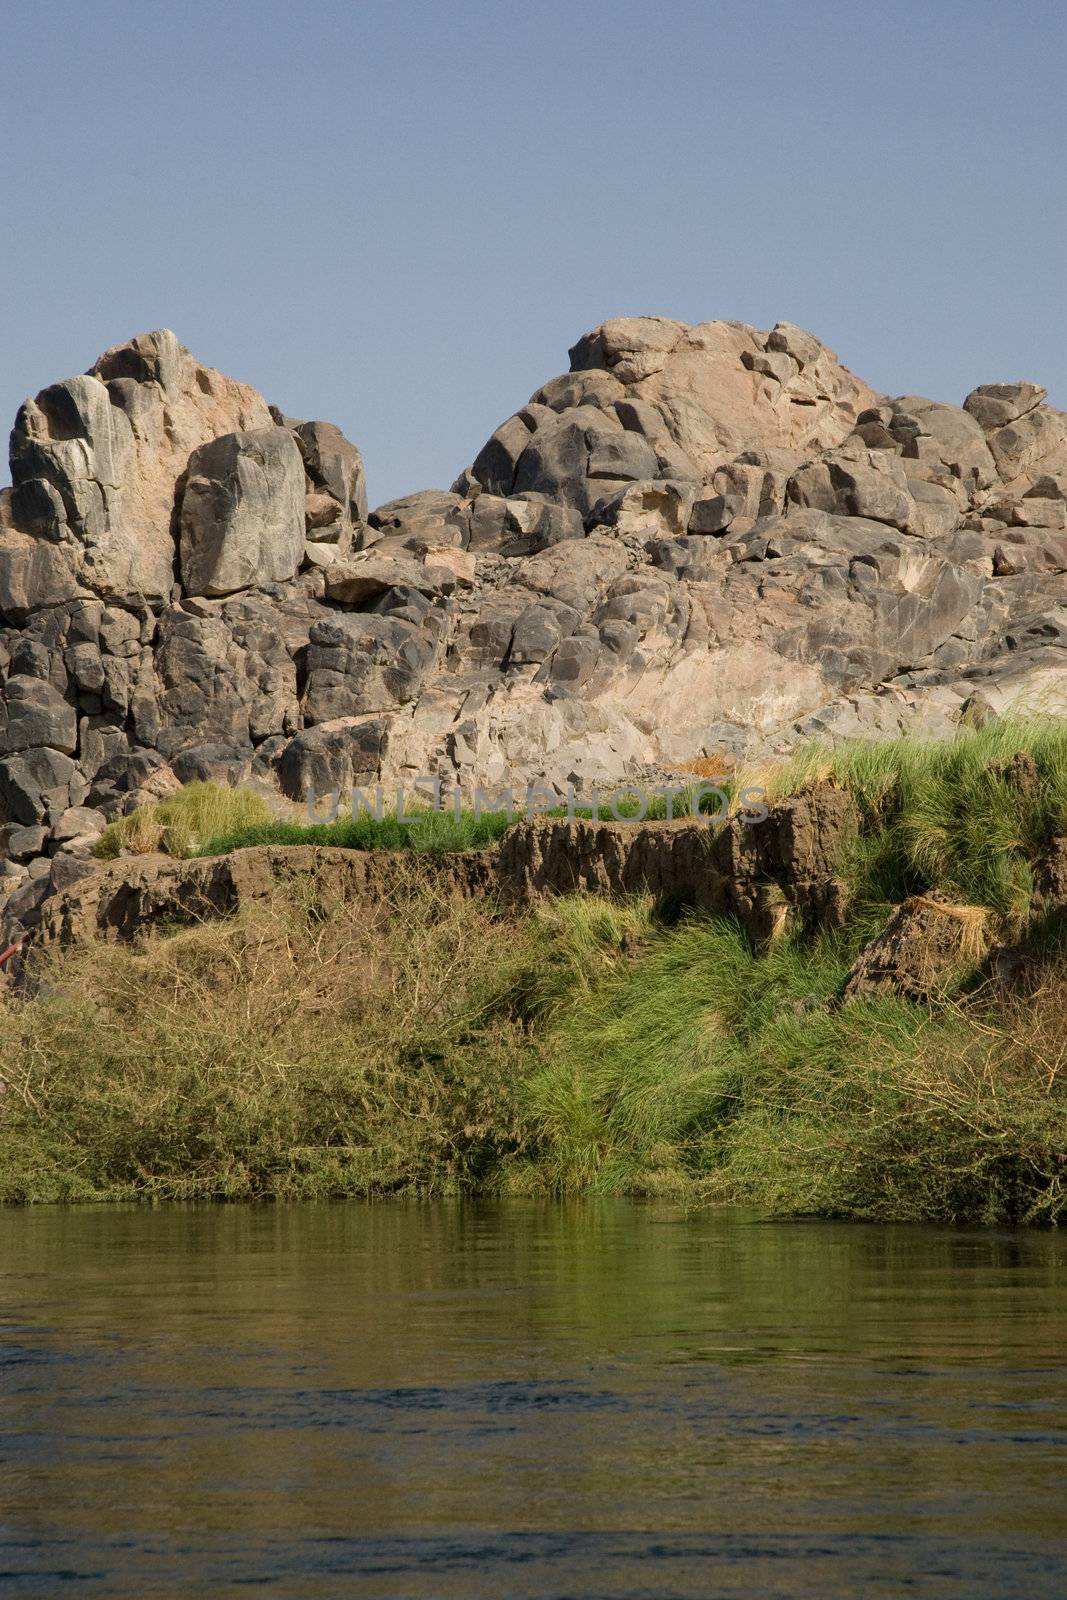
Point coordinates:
[(329, 759), (947, 435), (67, 868), (35, 783), (360, 663), (33, 574), (495, 464), (78, 822), (31, 658), (25, 843), (434, 515), (213, 763), (539, 629), (623, 455), (714, 513), (872, 486), (34, 713), (200, 694), (85, 665), (335, 467), (993, 405), (367, 576), (242, 513), (21, 910)]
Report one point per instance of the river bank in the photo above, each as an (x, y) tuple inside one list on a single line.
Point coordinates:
[(315, 1044)]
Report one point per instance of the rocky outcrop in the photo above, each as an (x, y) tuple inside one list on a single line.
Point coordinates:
[(242, 513), (926, 943), (774, 869), (648, 400), (129, 898), (94, 464), (699, 542)]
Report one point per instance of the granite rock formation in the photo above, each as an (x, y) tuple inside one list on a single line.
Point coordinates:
[(699, 542)]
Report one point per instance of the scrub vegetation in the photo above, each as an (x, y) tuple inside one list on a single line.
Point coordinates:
[(307, 1049)]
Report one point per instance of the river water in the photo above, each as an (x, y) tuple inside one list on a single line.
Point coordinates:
[(522, 1399)]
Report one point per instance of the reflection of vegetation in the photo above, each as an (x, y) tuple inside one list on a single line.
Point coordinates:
[(305, 1049)]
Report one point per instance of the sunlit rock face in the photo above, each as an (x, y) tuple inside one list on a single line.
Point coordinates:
[(698, 543)]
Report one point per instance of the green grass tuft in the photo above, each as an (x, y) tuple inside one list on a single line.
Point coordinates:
[(207, 819), (947, 814), (179, 824), (434, 832)]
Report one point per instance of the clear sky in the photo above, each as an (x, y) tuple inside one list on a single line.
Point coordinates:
[(397, 216)]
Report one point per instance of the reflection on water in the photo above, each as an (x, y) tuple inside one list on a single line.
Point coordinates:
[(520, 1399)]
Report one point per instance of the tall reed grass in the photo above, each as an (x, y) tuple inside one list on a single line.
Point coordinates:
[(307, 1050)]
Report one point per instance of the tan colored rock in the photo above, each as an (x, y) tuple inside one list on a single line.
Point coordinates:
[(322, 515), (994, 405), (698, 397), (716, 405), (95, 461), (34, 572), (447, 566), (128, 898), (364, 577)]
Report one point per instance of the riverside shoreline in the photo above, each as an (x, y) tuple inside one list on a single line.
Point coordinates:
[(856, 1008)]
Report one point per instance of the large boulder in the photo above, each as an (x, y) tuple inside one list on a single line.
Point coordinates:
[(35, 713), (358, 664), (650, 398), (242, 513), (94, 464), (324, 763)]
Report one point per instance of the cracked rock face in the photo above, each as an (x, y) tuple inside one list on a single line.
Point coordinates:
[(698, 543), (94, 465)]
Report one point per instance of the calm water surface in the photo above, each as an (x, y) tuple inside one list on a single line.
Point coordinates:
[(518, 1400)]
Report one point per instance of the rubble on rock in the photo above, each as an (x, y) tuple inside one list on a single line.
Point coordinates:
[(699, 542)]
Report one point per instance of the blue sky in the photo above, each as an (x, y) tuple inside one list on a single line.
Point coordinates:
[(398, 216)]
